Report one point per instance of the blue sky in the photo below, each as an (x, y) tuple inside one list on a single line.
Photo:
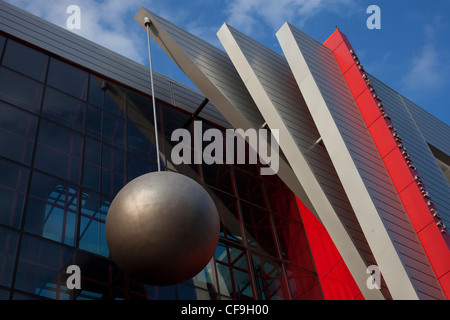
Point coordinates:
[(410, 53)]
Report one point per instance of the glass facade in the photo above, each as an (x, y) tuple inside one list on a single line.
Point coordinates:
[(70, 140)]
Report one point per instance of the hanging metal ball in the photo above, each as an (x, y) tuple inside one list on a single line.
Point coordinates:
[(162, 228)]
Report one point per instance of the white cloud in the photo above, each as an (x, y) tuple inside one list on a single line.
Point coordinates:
[(105, 22), (426, 70), (248, 14)]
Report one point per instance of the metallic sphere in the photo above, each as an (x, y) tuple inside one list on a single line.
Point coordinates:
[(162, 228)]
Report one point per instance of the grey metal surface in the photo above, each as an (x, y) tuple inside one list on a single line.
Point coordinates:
[(271, 83), (389, 232), (398, 108), (162, 228), (434, 131), (211, 70), (87, 54)]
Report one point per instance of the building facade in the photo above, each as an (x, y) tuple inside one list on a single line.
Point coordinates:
[(76, 125)]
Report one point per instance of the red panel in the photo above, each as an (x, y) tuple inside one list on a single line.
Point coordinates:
[(312, 225), (444, 281), (368, 108), (383, 139), (334, 40), (326, 255), (343, 58), (433, 242), (353, 76), (327, 258), (340, 284), (438, 253), (416, 207), (400, 173)]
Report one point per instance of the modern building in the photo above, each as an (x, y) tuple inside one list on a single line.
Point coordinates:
[(362, 185)]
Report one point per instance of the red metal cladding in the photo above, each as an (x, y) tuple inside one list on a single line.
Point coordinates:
[(335, 279), (404, 175)]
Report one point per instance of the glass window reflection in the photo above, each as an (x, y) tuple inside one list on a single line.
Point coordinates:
[(303, 284), (250, 188), (2, 43), (8, 250), (68, 78), (113, 127), (294, 245), (25, 60), (115, 97), (232, 273), (59, 151), (137, 167), (258, 228), (42, 267), (13, 184), (17, 133), (141, 141), (52, 209), (227, 206), (92, 223), (269, 279), (64, 109), (92, 164), (113, 170), (20, 90)]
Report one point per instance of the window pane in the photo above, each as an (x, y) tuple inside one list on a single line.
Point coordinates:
[(64, 109), (141, 292), (68, 78), (218, 176), (113, 130), (258, 228), (51, 210), (303, 284), (59, 151), (20, 90), (8, 249), (101, 278), (173, 119), (92, 159), (250, 188), (17, 133), (186, 292), (268, 279), (25, 60), (92, 223), (94, 122), (282, 201), (113, 170), (113, 127), (204, 279), (42, 267), (13, 184), (294, 245), (140, 141), (2, 43), (230, 226), (4, 294), (95, 91), (137, 167), (115, 97), (232, 275)]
